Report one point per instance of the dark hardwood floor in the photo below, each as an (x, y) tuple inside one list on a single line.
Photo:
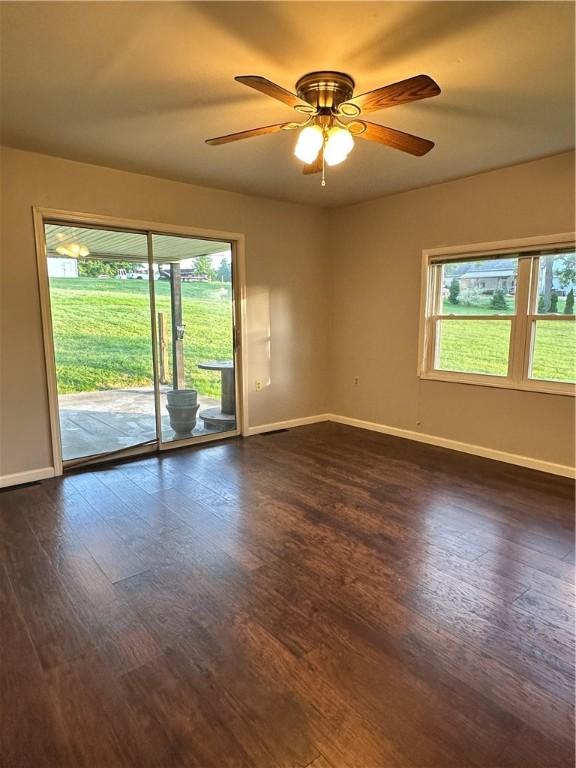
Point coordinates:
[(324, 597)]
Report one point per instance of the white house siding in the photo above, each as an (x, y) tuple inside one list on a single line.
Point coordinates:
[(62, 267)]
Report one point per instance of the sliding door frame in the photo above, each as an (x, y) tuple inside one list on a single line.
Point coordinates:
[(42, 216)]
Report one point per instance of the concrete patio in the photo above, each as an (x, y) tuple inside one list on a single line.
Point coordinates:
[(92, 423)]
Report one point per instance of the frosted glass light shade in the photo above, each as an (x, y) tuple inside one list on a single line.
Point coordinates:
[(73, 250), (309, 143), (338, 146)]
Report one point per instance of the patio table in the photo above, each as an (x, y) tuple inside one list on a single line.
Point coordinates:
[(225, 416)]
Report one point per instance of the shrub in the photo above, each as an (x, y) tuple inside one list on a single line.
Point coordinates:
[(541, 304), (470, 297), (569, 306), (553, 302), (454, 291), (498, 300)]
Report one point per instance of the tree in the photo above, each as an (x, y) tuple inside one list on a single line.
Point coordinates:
[(498, 300), (127, 265), (202, 267), (454, 291), (470, 297), (553, 302), (548, 276), (224, 272), (563, 268), (97, 267), (94, 268), (569, 306)]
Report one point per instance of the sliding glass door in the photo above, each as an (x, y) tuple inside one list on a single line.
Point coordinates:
[(102, 339), (195, 336), (143, 339)]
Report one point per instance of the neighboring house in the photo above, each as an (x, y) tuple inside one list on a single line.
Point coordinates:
[(485, 277), (489, 276), (62, 267)]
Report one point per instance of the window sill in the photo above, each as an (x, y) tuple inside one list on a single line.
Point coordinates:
[(542, 387)]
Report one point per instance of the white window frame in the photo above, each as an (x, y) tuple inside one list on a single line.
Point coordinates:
[(522, 323)]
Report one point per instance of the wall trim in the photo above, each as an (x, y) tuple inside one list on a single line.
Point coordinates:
[(456, 445), (421, 437), (564, 470), (31, 476), (260, 428)]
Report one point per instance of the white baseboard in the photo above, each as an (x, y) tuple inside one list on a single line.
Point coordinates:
[(260, 428), (34, 475), (456, 445), (31, 476)]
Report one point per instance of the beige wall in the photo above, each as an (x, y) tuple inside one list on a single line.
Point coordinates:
[(375, 267), (285, 283), (337, 292)]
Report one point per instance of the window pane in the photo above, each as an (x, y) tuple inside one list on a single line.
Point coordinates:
[(554, 351), (557, 283), (100, 301), (483, 287), (474, 346)]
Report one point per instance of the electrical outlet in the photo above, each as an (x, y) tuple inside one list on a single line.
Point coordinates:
[(258, 385), (356, 381)]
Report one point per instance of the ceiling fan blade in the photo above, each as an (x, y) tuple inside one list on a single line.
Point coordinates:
[(270, 89), (397, 139), (314, 167), (246, 134), (403, 92)]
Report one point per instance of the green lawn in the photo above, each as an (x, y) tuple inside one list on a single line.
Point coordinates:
[(102, 332), (554, 351), (482, 347), (102, 336), (482, 306)]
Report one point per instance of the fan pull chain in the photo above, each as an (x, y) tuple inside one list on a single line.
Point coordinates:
[(323, 165)]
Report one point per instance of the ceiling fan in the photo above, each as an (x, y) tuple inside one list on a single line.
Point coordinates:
[(326, 137)]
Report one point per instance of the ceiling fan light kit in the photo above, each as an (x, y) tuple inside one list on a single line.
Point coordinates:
[(73, 250), (327, 99)]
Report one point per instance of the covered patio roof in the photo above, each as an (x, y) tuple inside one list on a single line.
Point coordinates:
[(130, 246)]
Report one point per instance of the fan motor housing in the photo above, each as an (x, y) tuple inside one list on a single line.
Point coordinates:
[(325, 90)]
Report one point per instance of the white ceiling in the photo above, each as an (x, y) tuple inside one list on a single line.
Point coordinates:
[(140, 85)]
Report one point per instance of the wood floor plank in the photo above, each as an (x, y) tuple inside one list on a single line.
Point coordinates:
[(162, 714), (30, 730), (505, 580), (178, 707), (17, 539), (323, 597), (320, 762), (198, 516), (100, 727), (512, 552), (540, 660), (271, 685), (453, 654), (84, 524), (556, 612), (529, 747), (570, 557), (139, 502), (371, 629), (54, 628)]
